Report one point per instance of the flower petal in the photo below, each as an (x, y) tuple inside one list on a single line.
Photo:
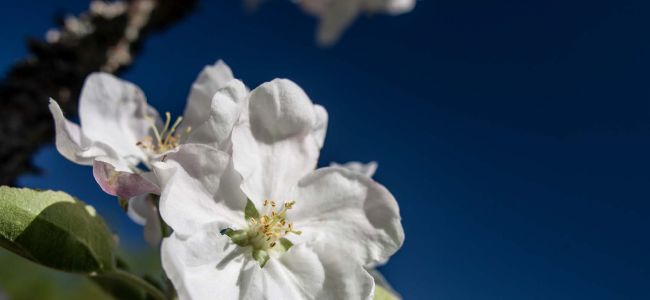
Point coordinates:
[(115, 112), (297, 274), (274, 144), (206, 265), (210, 80), (335, 19), (71, 142), (368, 169), (336, 206), (396, 7), (227, 105), (307, 273), (116, 178), (344, 279), (199, 187), (320, 125), (142, 210)]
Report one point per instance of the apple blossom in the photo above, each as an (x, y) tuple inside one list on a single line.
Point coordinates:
[(257, 221), (365, 169), (336, 15), (120, 132)]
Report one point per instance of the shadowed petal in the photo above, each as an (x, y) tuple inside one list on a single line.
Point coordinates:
[(115, 112), (71, 142), (274, 144), (143, 211), (117, 179), (210, 80), (335, 206), (359, 167), (227, 105), (199, 187)]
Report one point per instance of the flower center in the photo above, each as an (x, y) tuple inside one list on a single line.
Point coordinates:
[(265, 233), (165, 139)]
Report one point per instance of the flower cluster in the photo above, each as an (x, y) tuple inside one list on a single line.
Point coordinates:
[(235, 178)]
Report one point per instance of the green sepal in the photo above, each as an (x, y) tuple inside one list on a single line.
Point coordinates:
[(261, 256), (239, 237), (283, 245), (250, 211), (383, 294), (124, 203)]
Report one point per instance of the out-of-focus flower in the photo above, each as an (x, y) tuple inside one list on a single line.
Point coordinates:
[(120, 133), (262, 223), (336, 15)]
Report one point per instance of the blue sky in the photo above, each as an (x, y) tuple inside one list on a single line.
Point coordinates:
[(514, 134)]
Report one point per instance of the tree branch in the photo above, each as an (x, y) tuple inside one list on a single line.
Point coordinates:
[(105, 38)]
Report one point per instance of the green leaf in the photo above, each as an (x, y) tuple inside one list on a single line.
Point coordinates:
[(250, 211), (55, 230), (383, 294)]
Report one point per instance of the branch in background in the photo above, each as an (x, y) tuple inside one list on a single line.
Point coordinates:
[(105, 38)]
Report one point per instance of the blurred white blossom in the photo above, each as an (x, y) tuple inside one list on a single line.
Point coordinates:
[(337, 15)]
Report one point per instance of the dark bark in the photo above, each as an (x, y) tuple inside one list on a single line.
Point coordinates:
[(57, 68)]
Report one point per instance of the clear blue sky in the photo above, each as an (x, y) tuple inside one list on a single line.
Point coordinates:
[(514, 134)]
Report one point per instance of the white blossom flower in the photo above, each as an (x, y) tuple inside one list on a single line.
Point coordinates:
[(336, 15), (365, 169), (262, 223), (120, 132), (369, 169)]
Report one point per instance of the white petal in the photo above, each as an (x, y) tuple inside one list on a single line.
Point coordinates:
[(210, 80), (314, 7), (336, 206), (273, 144), (391, 7), (71, 142), (368, 169), (344, 278), (227, 105), (143, 211), (297, 274), (138, 209), (320, 125), (335, 19), (396, 7), (115, 112), (116, 178), (206, 265), (199, 188)]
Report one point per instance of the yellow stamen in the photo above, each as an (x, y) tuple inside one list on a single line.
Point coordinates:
[(165, 139), (272, 226)]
